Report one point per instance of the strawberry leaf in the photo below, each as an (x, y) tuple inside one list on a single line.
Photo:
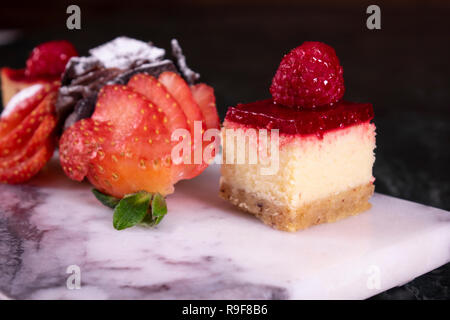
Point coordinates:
[(105, 199), (142, 208), (158, 211), (131, 210), (159, 208)]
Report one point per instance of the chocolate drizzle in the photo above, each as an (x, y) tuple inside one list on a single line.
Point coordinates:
[(114, 62), (177, 52)]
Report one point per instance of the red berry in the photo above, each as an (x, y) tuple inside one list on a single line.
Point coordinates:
[(49, 58), (77, 147), (29, 167), (153, 90), (204, 96), (180, 90), (124, 148), (16, 110), (27, 138), (126, 145), (182, 107), (308, 76), (19, 136)]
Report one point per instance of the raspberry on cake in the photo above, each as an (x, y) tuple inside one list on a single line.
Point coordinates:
[(325, 156), (308, 76)]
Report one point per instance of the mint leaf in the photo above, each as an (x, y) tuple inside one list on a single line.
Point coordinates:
[(107, 200), (131, 210)]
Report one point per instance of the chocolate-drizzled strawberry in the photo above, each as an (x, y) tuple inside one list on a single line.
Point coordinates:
[(125, 146), (114, 62)]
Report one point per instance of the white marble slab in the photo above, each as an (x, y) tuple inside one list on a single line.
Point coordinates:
[(205, 248)]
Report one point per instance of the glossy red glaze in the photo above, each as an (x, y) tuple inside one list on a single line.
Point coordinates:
[(269, 115)]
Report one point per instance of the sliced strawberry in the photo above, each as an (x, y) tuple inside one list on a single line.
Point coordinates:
[(125, 147), (127, 109), (122, 106), (24, 170), (39, 138), (125, 164), (118, 173), (121, 154), (19, 136), (26, 140), (77, 146), (179, 89), (130, 113), (22, 104), (116, 164), (151, 88), (204, 96)]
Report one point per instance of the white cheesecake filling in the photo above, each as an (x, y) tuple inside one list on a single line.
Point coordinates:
[(309, 168)]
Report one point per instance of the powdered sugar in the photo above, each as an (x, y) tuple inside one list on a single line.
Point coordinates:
[(19, 97), (122, 52), (82, 64)]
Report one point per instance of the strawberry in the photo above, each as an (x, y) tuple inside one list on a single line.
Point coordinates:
[(26, 135), (77, 147), (179, 89), (204, 96), (16, 111), (125, 146), (137, 116), (49, 58), (26, 169), (39, 138), (151, 88), (121, 152), (18, 137), (119, 173)]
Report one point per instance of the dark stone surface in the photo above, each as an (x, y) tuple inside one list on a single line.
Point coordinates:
[(402, 69)]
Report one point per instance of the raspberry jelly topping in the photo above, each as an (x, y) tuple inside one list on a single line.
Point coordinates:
[(269, 115)]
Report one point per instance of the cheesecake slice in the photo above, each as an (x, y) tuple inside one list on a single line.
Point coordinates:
[(324, 162)]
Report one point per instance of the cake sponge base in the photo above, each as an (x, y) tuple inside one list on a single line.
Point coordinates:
[(329, 209)]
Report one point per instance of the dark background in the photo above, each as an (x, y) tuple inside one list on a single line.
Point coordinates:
[(403, 69)]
